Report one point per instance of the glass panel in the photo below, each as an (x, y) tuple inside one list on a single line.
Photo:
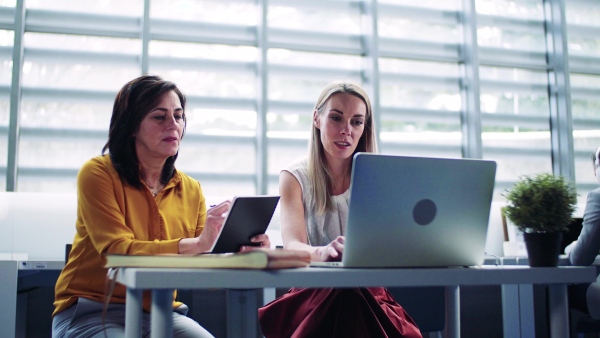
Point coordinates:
[(328, 19), (57, 152), (513, 164), (514, 103), (418, 67), (203, 51), (220, 121), (222, 158), (512, 38), (66, 115), (439, 143), (92, 75), (76, 76), (412, 129), (117, 7), (209, 83), (281, 155), (216, 11), (587, 106), (193, 80), (290, 125), (8, 3), (524, 9), (584, 46), (525, 150), (499, 101), (582, 13), (513, 75), (412, 28), (435, 4), (61, 151), (236, 158), (295, 88), (82, 43), (5, 72), (290, 57), (4, 104), (394, 94), (4, 113), (7, 38)]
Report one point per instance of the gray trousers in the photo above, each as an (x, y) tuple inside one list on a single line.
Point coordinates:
[(84, 319)]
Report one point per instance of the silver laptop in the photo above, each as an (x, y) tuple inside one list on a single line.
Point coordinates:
[(417, 212)]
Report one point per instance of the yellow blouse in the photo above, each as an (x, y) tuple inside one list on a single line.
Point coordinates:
[(113, 217)]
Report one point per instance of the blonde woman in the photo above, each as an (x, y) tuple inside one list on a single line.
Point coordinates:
[(314, 207)]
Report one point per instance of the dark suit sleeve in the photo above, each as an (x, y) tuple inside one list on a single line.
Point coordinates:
[(588, 243)]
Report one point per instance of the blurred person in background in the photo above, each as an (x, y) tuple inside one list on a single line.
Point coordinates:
[(583, 251)]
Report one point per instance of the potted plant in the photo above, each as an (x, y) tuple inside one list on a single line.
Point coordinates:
[(541, 206)]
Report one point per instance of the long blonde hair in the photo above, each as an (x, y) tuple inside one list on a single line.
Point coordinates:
[(321, 184)]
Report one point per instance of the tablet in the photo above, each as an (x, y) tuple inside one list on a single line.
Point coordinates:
[(248, 216)]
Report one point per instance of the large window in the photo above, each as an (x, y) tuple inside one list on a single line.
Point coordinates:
[(514, 99), (446, 78), (583, 29)]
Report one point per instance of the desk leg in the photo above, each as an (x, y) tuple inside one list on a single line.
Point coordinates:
[(8, 293), (452, 329), (518, 315), (269, 295), (242, 315), (559, 310), (133, 313), (161, 320)]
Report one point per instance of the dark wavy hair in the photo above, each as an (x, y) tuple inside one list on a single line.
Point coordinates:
[(133, 102)]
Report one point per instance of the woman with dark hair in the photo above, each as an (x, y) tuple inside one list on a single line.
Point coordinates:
[(314, 203), (134, 201)]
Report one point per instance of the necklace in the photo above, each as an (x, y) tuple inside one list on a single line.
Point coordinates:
[(153, 191)]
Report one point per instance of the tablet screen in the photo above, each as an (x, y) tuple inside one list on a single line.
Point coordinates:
[(249, 216)]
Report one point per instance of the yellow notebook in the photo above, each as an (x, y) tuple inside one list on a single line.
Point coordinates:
[(259, 259)]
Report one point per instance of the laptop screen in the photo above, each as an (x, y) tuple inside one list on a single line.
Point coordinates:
[(418, 211)]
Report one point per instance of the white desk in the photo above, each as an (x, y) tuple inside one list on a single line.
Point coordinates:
[(10, 271), (163, 281)]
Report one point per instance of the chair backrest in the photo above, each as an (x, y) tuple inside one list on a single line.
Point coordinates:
[(570, 235)]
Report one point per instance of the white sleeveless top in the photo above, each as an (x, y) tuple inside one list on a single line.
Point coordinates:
[(321, 229)]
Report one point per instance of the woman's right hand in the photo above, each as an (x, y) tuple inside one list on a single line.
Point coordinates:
[(332, 251), (215, 217)]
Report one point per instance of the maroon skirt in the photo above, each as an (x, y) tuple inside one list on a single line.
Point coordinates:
[(339, 312)]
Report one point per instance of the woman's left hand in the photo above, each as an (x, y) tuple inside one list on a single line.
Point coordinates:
[(262, 239)]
